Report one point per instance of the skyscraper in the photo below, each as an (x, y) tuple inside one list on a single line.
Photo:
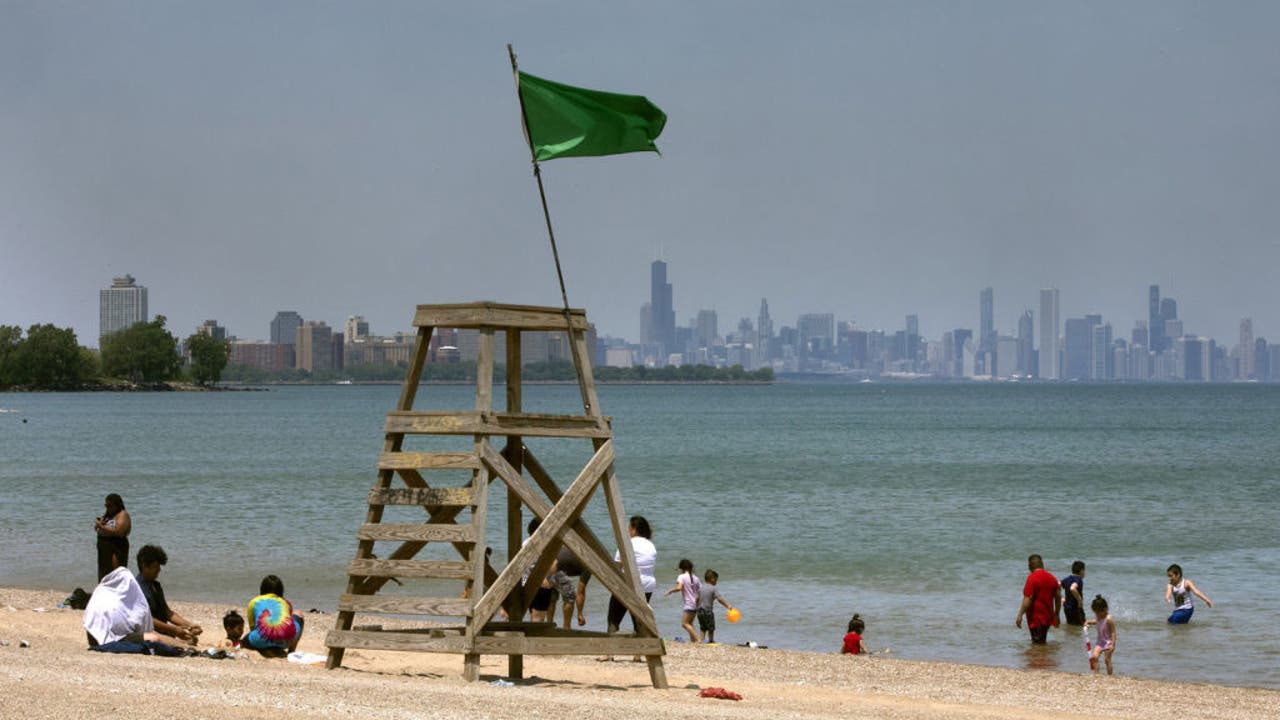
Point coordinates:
[(1049, 362), (764, 334), (1247, 361), (284, 327), (1155, 323), (355, 328), (1026, 344), (912, 351), (663, 322), (987, 329), (121, 305), (212, 329), (1101, 360), (1078, 350), (706, 328), (817, 336), (314, 347)]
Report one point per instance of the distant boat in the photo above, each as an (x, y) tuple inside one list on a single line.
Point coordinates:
[(342, 382)]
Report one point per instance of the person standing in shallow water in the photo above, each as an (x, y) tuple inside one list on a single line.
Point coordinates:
[(113, 535), (1041, 601)]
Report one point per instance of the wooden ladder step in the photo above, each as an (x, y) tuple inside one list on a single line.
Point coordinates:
[(486, 423), (448, 496), (433, 569), (418, 532), (384, 640), (428, 461), (400, 605)]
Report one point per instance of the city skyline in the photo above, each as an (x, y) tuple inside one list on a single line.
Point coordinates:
[(884, 160), (1090, 346)]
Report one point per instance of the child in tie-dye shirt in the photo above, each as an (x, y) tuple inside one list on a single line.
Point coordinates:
[(276, 628)]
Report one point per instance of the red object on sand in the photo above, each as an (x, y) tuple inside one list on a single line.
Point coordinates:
[(719, 694)]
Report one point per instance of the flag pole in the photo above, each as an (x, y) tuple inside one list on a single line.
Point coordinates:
[(546, 213)]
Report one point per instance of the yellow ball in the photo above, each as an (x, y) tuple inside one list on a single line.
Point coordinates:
[(733, 615)]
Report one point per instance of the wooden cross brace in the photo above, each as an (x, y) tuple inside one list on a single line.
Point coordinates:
[(556, 522)]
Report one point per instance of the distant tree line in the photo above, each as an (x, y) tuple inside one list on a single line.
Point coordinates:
[(546, 371), (50, 358)]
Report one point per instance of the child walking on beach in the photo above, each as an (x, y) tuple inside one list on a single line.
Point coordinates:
[(1179, 592), (1106, 634), (687, 584), (853, 638), (707, 597)]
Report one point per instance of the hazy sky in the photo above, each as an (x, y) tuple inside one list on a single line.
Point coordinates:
[(866, 159)]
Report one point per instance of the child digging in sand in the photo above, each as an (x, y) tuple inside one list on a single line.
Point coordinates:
[(1106, 634), (276, 629), (688, 585), (853, 638), (233, 624)]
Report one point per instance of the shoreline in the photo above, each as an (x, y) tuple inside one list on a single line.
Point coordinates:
[(57, 677)]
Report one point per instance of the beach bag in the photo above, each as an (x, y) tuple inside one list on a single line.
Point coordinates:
[(78, 599)]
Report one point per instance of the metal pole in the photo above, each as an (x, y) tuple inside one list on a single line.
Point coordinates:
[(546, 215)]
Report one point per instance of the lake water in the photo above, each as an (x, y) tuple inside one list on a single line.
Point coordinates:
[(913, 505)]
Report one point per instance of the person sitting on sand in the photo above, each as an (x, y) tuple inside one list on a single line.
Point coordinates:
[(118, 612), (853, 638), (167, 622), (233, 624), (276, 628)]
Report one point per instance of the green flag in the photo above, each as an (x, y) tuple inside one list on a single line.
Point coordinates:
[(567, 121)]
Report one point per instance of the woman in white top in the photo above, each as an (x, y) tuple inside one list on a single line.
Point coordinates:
[(646, 559)]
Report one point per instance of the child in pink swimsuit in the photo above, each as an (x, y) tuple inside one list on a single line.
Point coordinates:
[(1106, 634)]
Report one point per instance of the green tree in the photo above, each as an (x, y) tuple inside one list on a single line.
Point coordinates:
[(208, 358), (10, 339), (145, 352), (49, 357)]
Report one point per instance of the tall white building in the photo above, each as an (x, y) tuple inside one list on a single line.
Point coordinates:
[(121, 305), (355, 328), (1050, 362), (1247, 369)]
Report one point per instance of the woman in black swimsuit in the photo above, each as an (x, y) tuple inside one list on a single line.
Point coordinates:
[(113, 536)]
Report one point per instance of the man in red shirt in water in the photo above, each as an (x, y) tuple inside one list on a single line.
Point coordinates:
[(1041, 600)]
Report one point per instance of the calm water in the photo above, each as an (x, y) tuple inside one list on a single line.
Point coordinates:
[(915, 506)]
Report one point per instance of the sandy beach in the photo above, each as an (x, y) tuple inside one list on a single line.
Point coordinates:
[(56, 677)]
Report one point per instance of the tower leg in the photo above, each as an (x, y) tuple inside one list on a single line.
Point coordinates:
[(471, 667), (657, 675)]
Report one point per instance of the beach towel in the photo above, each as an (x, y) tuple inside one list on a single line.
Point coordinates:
[(719, 694), (117, 608)]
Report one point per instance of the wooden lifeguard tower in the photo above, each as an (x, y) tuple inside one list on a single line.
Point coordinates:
[(486, 588)]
